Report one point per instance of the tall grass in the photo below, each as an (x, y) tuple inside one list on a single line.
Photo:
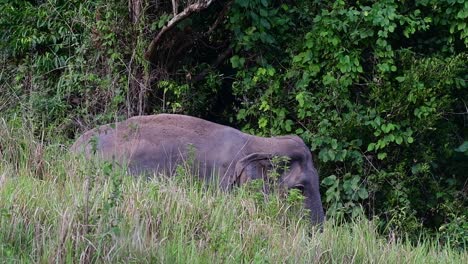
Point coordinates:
[(71, 210)]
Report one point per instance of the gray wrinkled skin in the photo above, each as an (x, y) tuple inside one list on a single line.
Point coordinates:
[(157, 144)]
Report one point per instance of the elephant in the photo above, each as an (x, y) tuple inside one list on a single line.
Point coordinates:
[(158, 143)]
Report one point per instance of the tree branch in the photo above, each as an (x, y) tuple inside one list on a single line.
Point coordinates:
[(175, 7), (219, 18), (196, 7)]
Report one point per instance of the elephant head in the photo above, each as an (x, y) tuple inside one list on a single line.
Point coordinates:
[(299, 172)]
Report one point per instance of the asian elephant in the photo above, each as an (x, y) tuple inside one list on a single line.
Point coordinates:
[(157, 143)]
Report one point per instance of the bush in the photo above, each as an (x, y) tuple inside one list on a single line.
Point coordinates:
[(357, 82)]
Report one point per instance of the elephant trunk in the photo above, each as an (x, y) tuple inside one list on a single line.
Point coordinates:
[(314, 204), (313, 200)]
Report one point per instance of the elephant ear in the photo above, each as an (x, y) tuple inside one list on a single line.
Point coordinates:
[(252, 167)]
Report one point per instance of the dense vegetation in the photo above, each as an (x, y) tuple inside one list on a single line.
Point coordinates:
[(377, 89)]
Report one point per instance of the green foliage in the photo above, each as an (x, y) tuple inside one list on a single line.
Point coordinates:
[(359, 84), (344, 197), (455, 232), (463, 148), (62, 59)]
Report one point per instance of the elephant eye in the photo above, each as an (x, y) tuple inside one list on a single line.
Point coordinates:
[(300, 188)]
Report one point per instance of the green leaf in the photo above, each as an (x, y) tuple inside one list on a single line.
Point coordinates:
[(309, 43), (323, 155), (400, 78), (300, 99), (271, 71), (371, 147), (381, 155), (384, 128), (237, 62), (264, 106), (330, 180), (354, 182), (242, 114), (335, 41), (331, 154), (287, 125), (399, 139), (334, 144), (234, 61), (410, 140), (243, 3), (363, 194), (265, 23), (262, 122), (298, 57), (463, 147)]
